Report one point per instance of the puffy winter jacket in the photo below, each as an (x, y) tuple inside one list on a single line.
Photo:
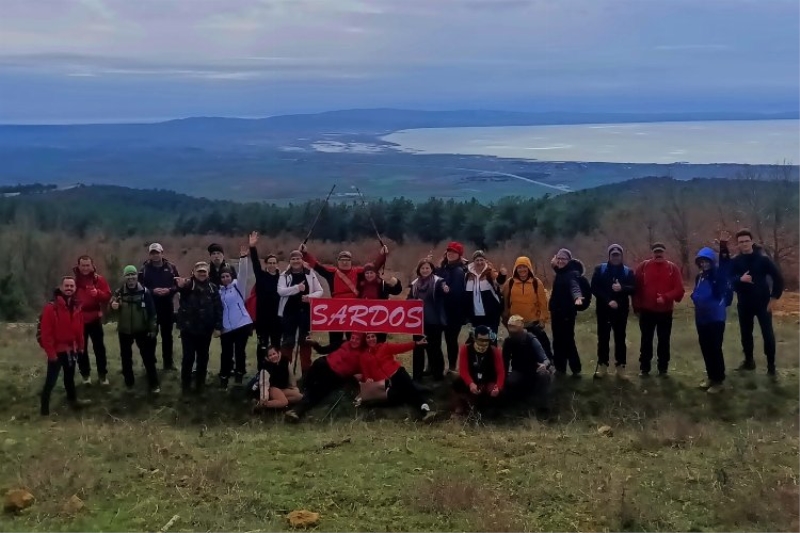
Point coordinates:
[(654, 278), (92, 305), (200, 309), (712, 289), (528, 298), (566, 289), (379, 363), (234, 314), (345, 361), (62, 326), (137, 311)]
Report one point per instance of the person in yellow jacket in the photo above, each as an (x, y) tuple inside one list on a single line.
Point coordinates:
[(524, 295)]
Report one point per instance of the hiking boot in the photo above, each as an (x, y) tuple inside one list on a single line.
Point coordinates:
[(357, 402), (238, 378), (620, 371), (576, 375), (77, 404), (601, 372), (644, 374), (223, 383), (747, 364), (291, 416), (716, 388), (772, 374), (429, 416), (663, 374), (155, 390), (103, 380), (704, 385), (87, 380)]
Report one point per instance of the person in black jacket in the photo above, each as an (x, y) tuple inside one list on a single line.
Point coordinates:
[(453, 270), (268, 323), (565, 300), (217, 262), (529, 371), (199, 318), (752, 272), (613, 284), (158, 276)]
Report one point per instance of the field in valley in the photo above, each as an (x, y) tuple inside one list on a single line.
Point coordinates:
[(676, 458)]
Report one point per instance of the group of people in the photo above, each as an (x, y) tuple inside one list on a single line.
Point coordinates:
[(214, 302)]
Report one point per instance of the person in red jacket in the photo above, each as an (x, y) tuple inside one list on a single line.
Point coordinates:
[(342, 279), (328, 373), (61, 338), (93, 294), (380, 369), (659, 285), (481, 372)]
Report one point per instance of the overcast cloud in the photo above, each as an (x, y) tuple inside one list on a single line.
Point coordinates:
[(110, 59)]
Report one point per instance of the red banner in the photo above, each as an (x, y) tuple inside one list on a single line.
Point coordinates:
[(367, 316)]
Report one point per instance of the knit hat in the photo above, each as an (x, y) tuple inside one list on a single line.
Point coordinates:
[(370, 267), (615, 248), (130, 269), (477, 254), (564, 252), (658, 247), (214, 247), (456, 247)]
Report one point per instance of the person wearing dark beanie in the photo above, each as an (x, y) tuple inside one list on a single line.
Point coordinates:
[(613, 284), (217, 262)]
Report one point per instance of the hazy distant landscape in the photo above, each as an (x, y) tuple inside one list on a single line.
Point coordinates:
[(390, 153)]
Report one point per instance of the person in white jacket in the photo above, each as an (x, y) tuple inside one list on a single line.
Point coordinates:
[(296, 286), (236, 322)]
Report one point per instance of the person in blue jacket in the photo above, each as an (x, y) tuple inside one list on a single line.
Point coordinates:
[(711, 297)]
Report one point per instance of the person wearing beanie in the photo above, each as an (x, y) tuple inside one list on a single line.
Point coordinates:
[(158, 276), (481, 373), (342, 278), (217, 262), (372, 286), (136, 323), (453, 270), (659, 285), (567, 298), (482, 298), (296, 287), (613, 284)]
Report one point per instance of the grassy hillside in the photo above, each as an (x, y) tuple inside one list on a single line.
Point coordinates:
[(677, 459)]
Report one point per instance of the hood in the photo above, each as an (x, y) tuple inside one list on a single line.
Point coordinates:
[(473, 271), (573, 265), (523, 261), (707, 253)]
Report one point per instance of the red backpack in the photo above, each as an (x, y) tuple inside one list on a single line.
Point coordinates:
[(250, 304)]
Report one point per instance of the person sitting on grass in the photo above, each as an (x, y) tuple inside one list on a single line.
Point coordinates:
[(383, 378), (328, 373), (273, 387), (711, 296), (481, 373)]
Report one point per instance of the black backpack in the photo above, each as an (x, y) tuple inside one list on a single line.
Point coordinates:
[(586, 291), (39, 324)]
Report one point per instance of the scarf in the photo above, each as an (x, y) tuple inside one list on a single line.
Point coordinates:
[(423, 287), (479, 283)]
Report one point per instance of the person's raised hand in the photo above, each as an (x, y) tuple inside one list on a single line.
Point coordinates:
[(252, 239)]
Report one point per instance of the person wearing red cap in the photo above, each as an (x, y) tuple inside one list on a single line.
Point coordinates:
[(342, 279), (453, 270)]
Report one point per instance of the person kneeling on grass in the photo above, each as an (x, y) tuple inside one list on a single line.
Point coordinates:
[(384, 379), (273, 387), (328, 373), (711, 296), (529, 372), (481, 373)]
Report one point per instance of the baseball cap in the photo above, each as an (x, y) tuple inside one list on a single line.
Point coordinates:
[(155, 247), (201, 265), (344, 254)]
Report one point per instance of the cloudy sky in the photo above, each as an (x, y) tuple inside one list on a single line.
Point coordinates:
[(90, 60)]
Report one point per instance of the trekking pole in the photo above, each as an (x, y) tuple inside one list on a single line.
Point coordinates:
[(319, 213), (369, 214), (334, 406), (296, 357)]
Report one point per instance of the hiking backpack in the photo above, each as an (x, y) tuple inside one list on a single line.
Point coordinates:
[(586, 292), (511, 284)]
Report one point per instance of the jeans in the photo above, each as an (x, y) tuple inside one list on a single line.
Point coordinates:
[(652, 324), (710, 336), (147, 350), (195, 349), (65, 361), (609, 320), (564, 348), (747, 316), (538, 331), (234, 352), (434, 350), (93, 331)]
